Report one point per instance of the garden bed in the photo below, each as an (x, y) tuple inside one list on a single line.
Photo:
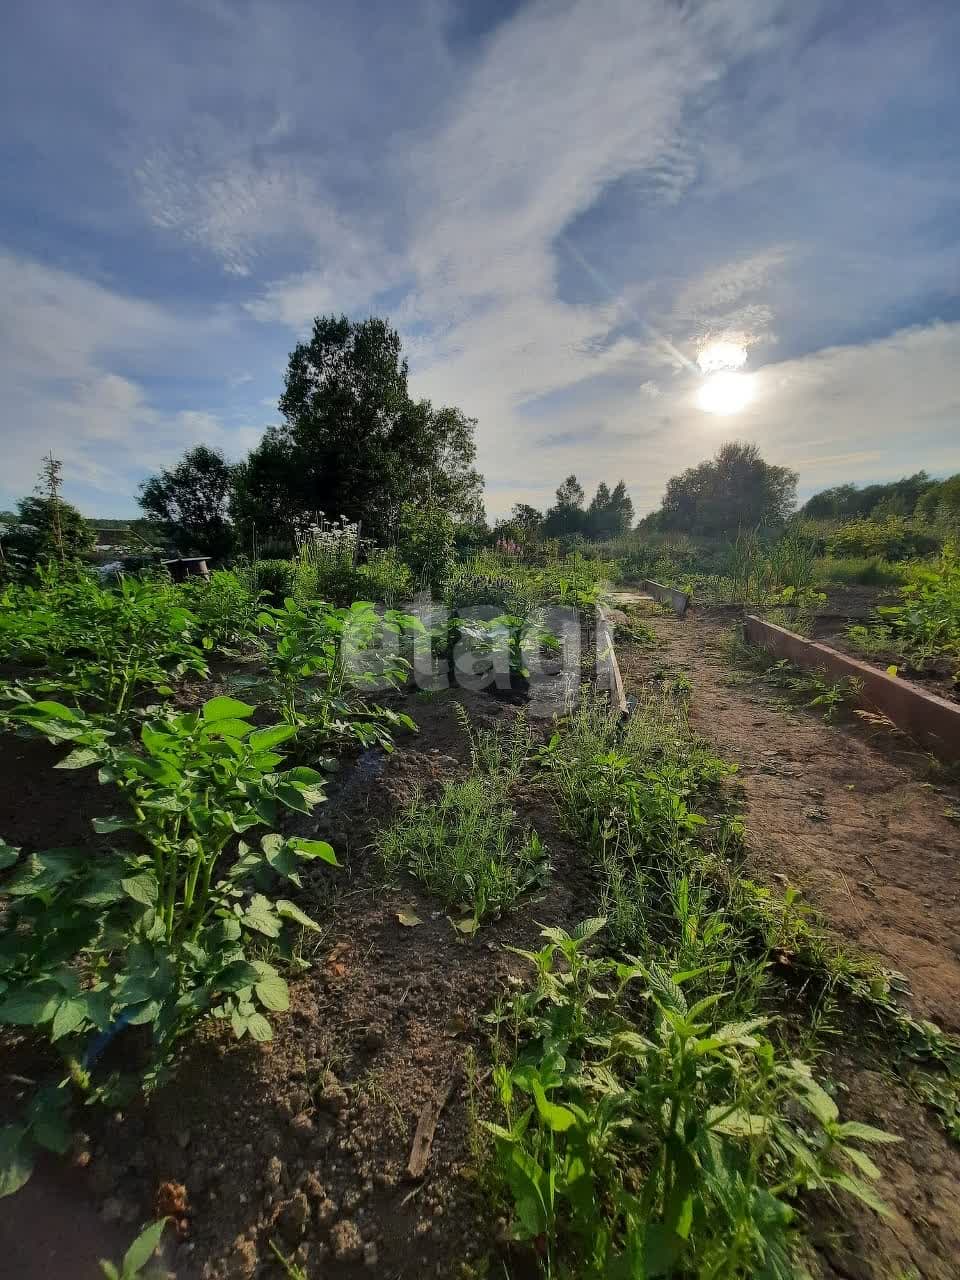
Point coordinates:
[(377, 1027), (930, 720), (353, 1141)]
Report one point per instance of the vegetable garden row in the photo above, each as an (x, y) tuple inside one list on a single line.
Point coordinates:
[(643, 1097)]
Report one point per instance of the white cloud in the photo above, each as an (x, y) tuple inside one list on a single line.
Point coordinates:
[(863, 413), (63, 341), (533, 141)]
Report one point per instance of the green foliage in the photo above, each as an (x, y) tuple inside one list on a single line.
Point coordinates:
[(225, 607), (734, 490), (893, 538), (46, 528), (169, 931), (426, 544), (866, 571), (274, 578), (810, 688), (189, 502), (849, 502), (354, 442), (138, 1256), (320, 659), (104, 648), (927, 623), (386, 577), (668, 1143), (465, 848)]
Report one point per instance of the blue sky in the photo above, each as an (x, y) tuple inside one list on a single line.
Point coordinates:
[(556, 203)]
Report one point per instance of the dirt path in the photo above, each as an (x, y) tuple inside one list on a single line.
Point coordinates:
[(865, 837), (862, 833)]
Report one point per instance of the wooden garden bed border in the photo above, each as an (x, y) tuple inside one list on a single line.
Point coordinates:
[(932, 721)]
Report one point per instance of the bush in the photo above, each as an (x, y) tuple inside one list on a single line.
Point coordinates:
[(276, 577), (865, 571), (426, 544), (893, 538), (225, 606), (385, 577)]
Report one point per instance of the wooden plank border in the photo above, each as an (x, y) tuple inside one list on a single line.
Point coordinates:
[(932, 721), (608, 668), (678, 600)]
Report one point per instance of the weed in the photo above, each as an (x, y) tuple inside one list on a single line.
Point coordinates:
[(658, 1142), (465, 848)]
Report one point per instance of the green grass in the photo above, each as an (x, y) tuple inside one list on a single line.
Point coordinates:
[(467, 848), (862, 571)]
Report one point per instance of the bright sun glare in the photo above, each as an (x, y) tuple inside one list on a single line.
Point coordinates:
[(726, 392), (722, 355)]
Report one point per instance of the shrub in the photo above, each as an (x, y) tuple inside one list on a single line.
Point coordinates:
[(865, 571), (275, 577), (426, 544), (224, 605), (894, 538)]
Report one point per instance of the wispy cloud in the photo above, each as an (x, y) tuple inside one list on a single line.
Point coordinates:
[(555, 203)]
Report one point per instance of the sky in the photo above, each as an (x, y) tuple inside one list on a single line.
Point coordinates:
[(558, 203)]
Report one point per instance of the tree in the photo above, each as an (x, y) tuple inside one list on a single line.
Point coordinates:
[(45, 529), (523, 525), (609, 515), (190, 502), (875, 501), (941, 500), (567, 516), (734, 490), (354, 442)]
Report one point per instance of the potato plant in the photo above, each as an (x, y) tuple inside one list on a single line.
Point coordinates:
[(320, 659), (101, 649), (175, 925)]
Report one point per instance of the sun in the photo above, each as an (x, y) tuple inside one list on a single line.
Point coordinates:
[(721, 355), (726, 393)]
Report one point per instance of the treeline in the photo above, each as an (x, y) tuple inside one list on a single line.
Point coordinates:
[(918, 496), (609, 514), (354, 447)]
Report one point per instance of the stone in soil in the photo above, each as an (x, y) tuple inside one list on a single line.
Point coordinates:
[(346, 1241)]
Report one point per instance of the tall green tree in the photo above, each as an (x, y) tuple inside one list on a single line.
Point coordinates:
[(354, 442), (849, 501), (46, 528), (567, 516), (734, 490), (190, 502), (609, 515)]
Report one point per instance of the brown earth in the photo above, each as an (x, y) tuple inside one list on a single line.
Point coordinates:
[(851, 817), (303, 1141)]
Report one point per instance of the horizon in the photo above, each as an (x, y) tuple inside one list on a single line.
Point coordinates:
[(559, 207)]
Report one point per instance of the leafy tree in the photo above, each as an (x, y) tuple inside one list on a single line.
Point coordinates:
[(610, 514), (736, 489), (941, 501), (850, 502), (523, 525), (47, 528), (354, 443), (566, 516), (190, 502)]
